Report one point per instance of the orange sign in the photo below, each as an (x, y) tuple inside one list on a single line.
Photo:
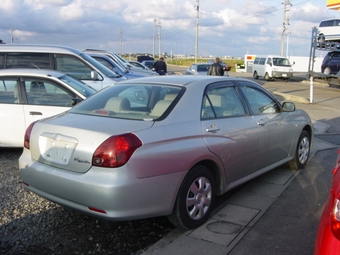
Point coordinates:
[(333, 4)]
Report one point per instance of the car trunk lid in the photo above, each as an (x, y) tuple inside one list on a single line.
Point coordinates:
[(68, 142)]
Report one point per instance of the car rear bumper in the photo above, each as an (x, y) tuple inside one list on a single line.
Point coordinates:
[(116, 191)]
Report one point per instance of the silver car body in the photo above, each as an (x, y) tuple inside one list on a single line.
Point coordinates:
[(120, 61), (235, 145), (61, 58), (198, 69)]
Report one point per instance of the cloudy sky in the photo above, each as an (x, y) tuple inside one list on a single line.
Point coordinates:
[(227, 27)]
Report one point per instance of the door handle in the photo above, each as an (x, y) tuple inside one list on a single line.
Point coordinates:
[(261, 122), (36, 113), (213, 128)]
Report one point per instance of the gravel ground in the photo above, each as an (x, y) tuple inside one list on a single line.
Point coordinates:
[(32, 225)]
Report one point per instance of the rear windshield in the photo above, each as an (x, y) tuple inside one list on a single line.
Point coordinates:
[(134, 101)]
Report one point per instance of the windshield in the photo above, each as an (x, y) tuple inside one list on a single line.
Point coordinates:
[(79, 86), (99, 66), (132, 101), (281, 62)]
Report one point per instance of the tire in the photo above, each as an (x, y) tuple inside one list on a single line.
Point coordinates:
[(195, 199), (266, 77), (321, 38), (327, 71), (255, 75), (302, 152)]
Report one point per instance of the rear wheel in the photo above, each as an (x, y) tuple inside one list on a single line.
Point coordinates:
[(255, 75), (195, 199), (302, 152)]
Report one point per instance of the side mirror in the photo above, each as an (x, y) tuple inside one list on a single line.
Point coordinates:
[(76, 101), (288, 107), (94, 75)]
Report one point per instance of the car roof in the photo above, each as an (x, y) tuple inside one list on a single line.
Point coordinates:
[(43, 48), (30, 71), (181, 80)]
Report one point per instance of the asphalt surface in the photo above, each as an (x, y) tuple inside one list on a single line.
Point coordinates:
[(277, 213)]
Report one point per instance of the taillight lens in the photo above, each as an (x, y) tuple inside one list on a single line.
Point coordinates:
[(337, 164), (335, 219), (116, 150), (335, 193), (27, 137)]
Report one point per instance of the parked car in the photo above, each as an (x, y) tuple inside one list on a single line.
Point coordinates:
[(163, 145), (120, 61), (109, 63), (149, 63), (225, 66), (328, 236), (138, 64), (329, 30), (198, 69), (27, 95), (331, 63), (61, 58)]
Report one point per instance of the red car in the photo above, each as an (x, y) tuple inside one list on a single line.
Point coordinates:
[(328, 237)]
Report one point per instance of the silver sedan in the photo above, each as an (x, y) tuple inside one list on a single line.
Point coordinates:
[(198, 69), (162, 146)]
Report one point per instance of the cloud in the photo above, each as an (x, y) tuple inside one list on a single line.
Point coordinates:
[(72, 11), (309, 12)]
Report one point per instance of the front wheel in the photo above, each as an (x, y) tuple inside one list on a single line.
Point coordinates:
[(266, 77), (195, 199), (302, 152), (327, 71), (255, 75)]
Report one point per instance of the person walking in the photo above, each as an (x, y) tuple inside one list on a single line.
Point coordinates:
[(216, 68), (160, 66)]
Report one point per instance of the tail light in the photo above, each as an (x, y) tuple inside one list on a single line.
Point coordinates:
[(116, 150), (337, 164), (335, 193), (335, 218), (27, 137)]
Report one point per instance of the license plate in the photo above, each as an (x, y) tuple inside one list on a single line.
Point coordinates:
[(284, 75), (57, 148)]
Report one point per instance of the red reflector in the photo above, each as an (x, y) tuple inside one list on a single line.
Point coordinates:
[(25, 183), (97, 210)]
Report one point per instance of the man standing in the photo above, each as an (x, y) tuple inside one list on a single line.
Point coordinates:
[(216, 68), (160, 66)]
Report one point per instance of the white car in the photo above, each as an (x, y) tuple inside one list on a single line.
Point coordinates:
[(27, 95)]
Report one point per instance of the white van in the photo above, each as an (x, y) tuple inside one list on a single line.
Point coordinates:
[(65, 59), (329, 30), (272, 67)]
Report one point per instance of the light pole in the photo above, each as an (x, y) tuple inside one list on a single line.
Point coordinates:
[(288, 34), (197, 20)]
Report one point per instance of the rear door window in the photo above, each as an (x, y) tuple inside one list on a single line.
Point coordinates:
[(29, 60), (73, 66)]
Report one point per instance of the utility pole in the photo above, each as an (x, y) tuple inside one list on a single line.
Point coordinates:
[(121, 41), (159, 38), (12, 35), (197, 7), (154, 37), (285, 23)]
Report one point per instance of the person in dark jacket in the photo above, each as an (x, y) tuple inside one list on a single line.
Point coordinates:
[(216, 68), (160, 66)]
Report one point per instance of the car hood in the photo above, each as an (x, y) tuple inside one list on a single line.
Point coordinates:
[(68, 141)]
